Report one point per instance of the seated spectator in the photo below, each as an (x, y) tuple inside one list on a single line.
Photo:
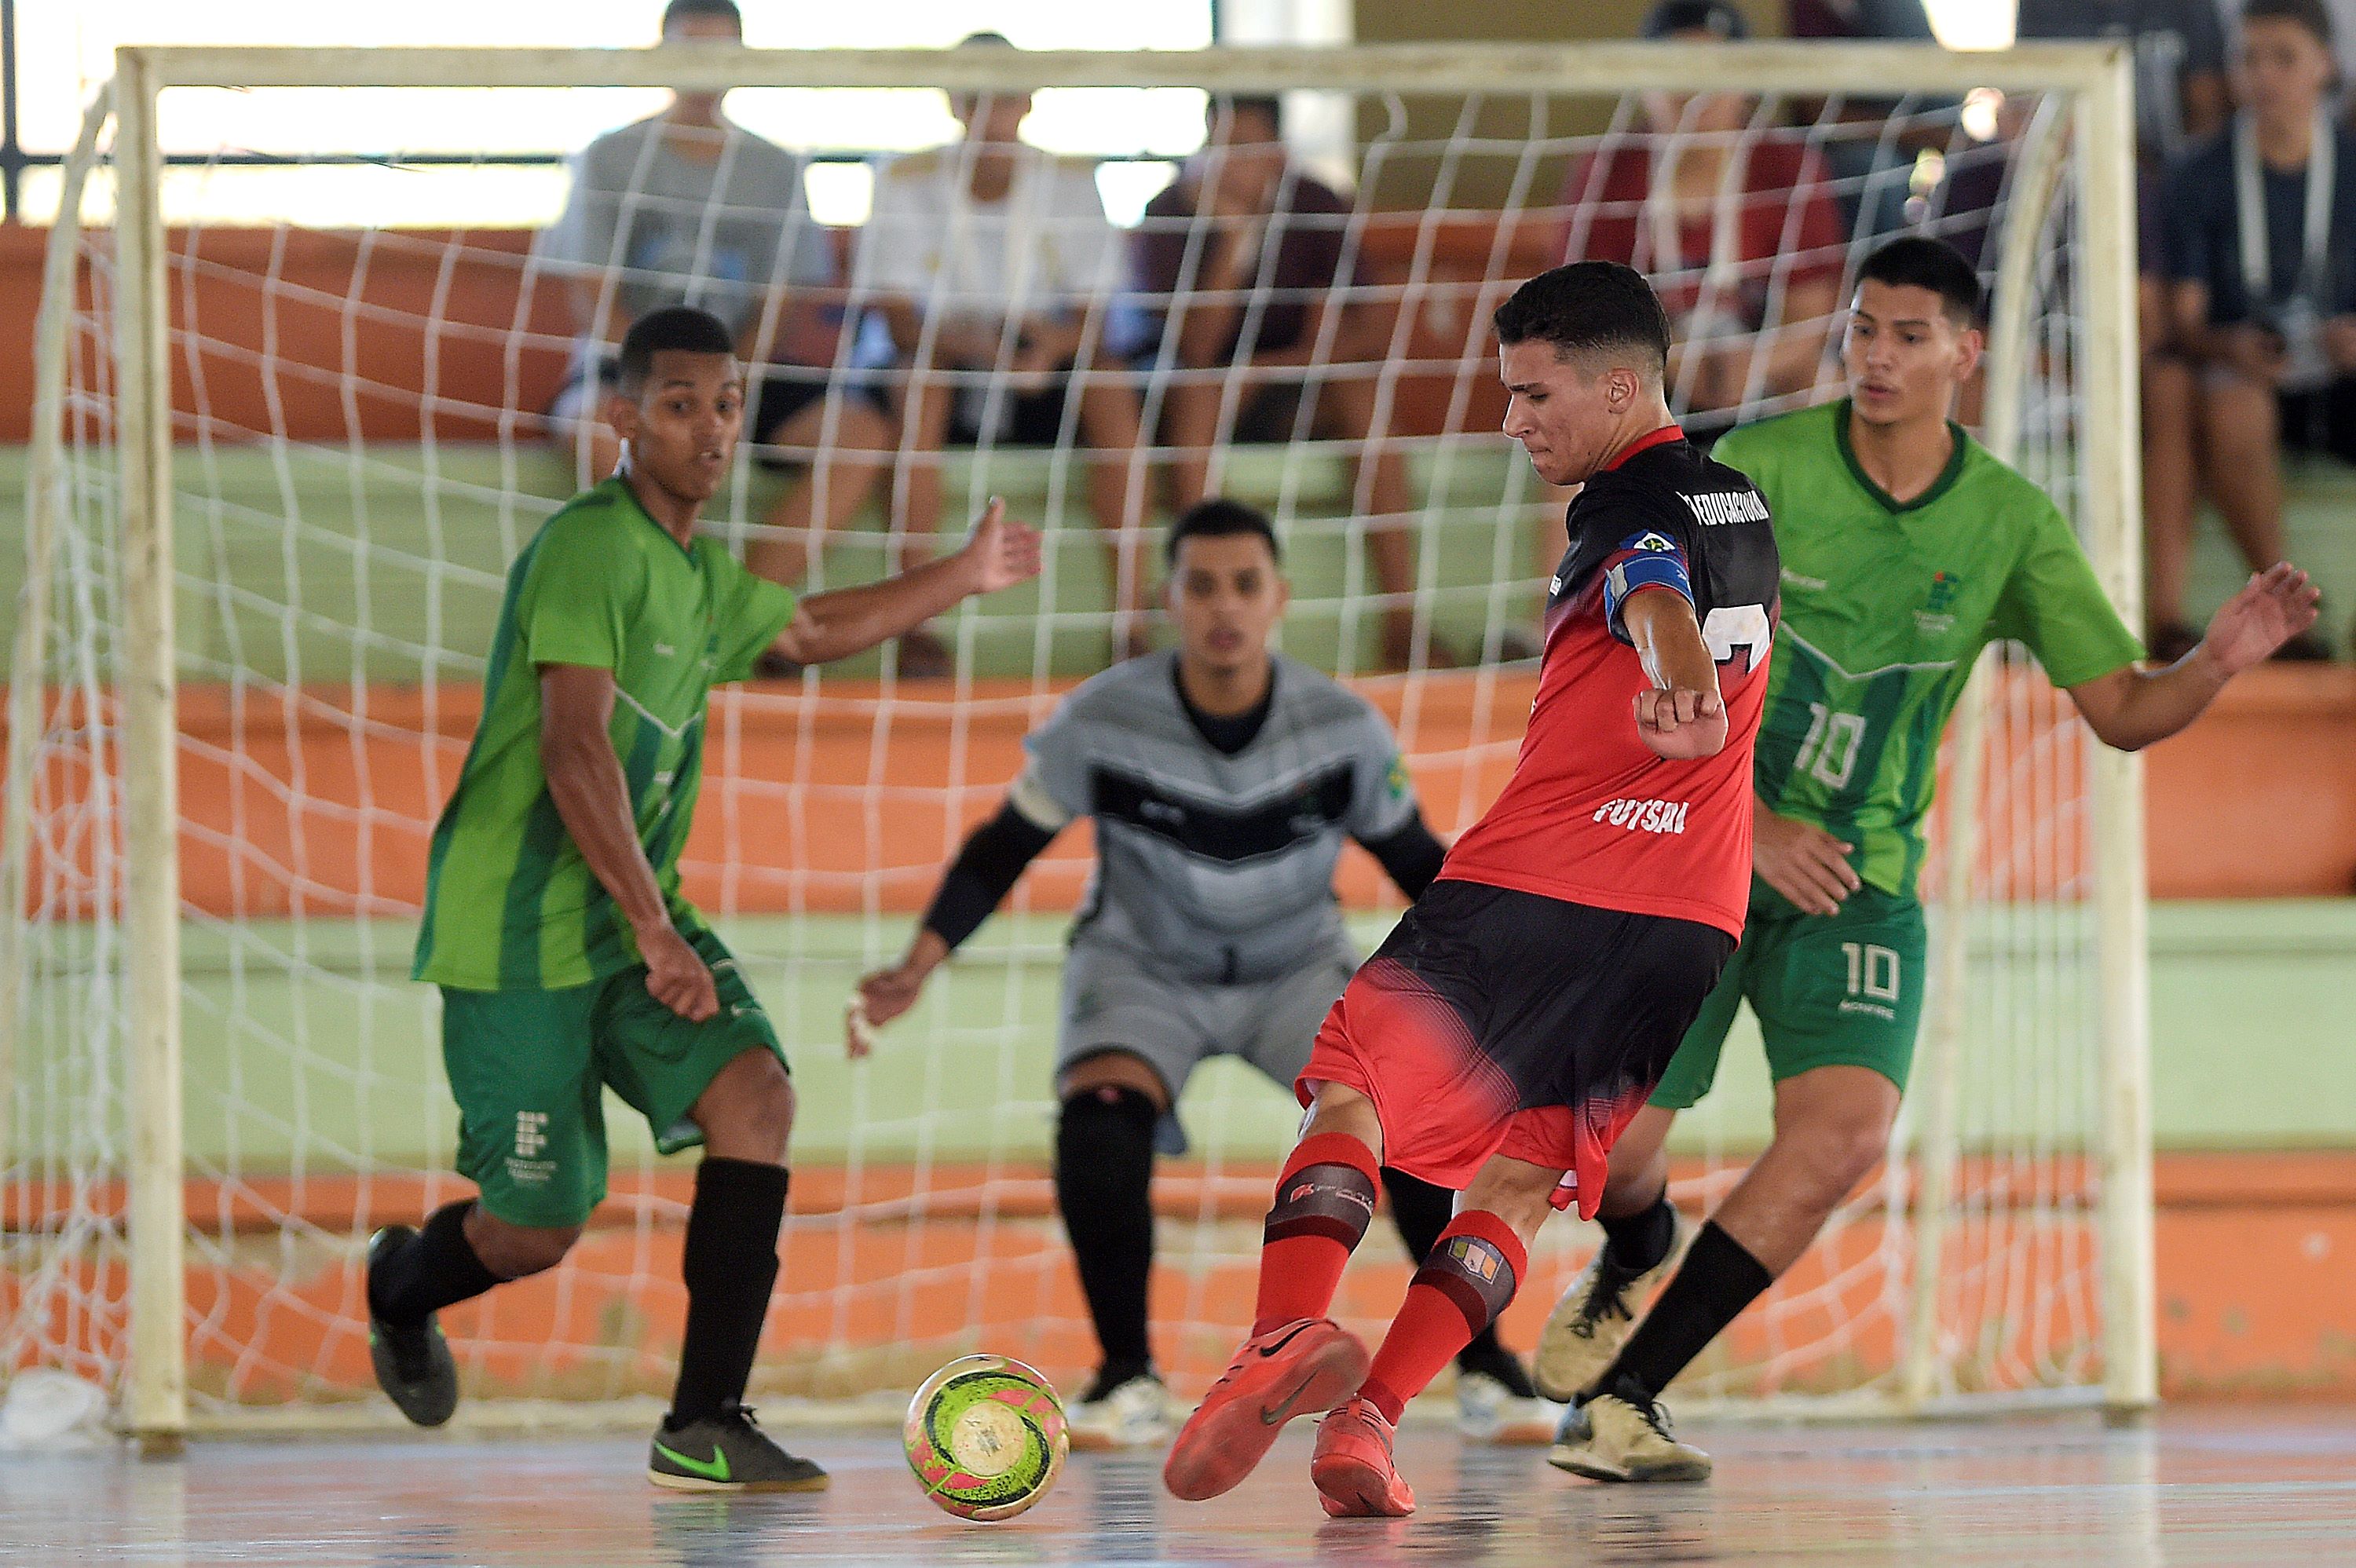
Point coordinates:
[(2181, 99), (2180, 62), (2257, 233), (1872, 167), (687, 208), (1238, 261), (993, 267), (1735, 225)]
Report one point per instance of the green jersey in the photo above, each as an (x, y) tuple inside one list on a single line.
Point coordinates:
[(1886, 606), (509, 902)]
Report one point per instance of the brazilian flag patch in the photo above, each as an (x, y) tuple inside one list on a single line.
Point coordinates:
[(1398, 777)]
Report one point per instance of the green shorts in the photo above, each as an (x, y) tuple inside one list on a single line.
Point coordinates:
[(1828, 990), (527, 1069)]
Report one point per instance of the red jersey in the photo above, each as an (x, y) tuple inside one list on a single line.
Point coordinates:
[(1590, 816)]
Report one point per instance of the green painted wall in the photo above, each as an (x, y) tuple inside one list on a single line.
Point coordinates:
[(306, 1036)]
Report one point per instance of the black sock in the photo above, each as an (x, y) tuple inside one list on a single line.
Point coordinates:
[(1104, 1188), (1638, 1242), (730, 1263), (433, 1269), (1717, 1280), (1421, 1211)]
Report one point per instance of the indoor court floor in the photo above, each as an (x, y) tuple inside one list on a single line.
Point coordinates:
[(2237, 1485)]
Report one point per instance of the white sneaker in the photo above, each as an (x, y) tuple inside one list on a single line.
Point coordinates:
[(1594, 1318), (1134, 1414), (1627, 1440), (1489, 1412)]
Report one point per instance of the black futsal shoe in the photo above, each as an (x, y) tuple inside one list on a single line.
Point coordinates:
[(727, 1453), (412, 1362)]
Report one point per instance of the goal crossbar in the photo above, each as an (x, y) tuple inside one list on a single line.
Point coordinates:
[(1565, 69)]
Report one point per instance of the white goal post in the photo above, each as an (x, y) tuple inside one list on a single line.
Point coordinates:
[(2078, 150)]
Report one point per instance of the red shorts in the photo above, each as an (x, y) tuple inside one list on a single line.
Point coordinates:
[(1497, 1022)]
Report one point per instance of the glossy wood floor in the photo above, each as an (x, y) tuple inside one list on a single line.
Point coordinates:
[(2242, 1486)]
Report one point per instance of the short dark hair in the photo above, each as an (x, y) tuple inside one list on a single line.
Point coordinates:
[(2312, 15), (1719, 18), (674, 329), (1233, 104), (1588, 308), (679, 10), (985, 40), (1215, 520), (1919, 261)]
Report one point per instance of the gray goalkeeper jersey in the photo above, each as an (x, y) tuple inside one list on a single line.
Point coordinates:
[(1216, 867)]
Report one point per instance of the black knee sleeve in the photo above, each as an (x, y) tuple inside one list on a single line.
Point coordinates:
[(1104, 1144), (1104, 1180)]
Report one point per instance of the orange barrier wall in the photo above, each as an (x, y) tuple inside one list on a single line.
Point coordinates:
[(848, 801), (2256, 1260), (288, 322)]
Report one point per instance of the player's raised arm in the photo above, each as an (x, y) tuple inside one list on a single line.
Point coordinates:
[(2131, 707), (593, 799), (998, 553), (1683, 715), (985, 870)]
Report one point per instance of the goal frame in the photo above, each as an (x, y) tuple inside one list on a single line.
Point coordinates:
[(2091, 79)]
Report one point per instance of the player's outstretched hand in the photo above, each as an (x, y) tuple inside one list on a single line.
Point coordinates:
[(2272, 607), (887, 993), (881, 997), (1801, 862), (1001, 551), (1678, 722), (676, 974)]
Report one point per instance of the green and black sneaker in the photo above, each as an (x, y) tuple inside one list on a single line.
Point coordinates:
[(413, 1363), (727, 1454)]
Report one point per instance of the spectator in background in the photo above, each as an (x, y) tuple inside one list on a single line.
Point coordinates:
[(993, 267), (687, 208), (2256, 233), (1872, 163), (1733, 222), (1238, 262), (2181, 99), (2180, 62)]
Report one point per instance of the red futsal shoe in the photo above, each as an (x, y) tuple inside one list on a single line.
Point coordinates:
[(1300, 1368), (1354, 1470)]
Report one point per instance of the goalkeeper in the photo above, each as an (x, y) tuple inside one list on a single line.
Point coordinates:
[(1906, 549), (1222, 779), (567, 958)]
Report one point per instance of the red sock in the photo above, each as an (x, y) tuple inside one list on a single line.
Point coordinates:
[(1325, 1201), (1464, 1284)]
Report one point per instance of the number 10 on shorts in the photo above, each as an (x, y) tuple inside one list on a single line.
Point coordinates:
[(1872, 971)]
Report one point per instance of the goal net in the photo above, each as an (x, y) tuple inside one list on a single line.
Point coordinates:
[(283, 455)]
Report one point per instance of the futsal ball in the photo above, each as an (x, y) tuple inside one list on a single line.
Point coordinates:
[(985, 1436)]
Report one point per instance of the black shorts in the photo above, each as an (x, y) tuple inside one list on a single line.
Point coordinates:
[(1272, 412), (1493, 1021), (2322, 421), (780, 391)]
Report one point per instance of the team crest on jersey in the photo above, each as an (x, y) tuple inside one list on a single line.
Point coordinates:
[(1937, 616), (1397, 779)]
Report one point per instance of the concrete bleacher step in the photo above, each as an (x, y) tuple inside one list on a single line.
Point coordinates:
[(2320, 529)]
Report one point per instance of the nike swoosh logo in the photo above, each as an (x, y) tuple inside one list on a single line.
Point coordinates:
[(712, 1469), (1288, 1339), (1283, 1413)]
